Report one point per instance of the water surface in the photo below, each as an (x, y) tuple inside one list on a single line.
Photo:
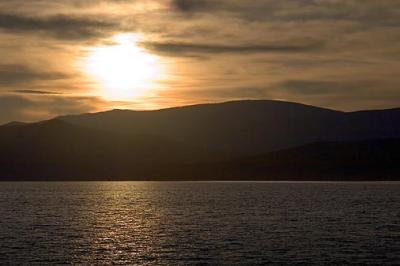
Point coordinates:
[(190, 223)]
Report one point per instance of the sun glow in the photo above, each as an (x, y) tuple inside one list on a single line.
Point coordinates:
[(124, 70)]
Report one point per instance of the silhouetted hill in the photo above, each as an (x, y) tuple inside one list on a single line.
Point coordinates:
[(347, 160), (57, 149), (245, 128), (14, 123), (239, 128), (202, 141), (369, 125)]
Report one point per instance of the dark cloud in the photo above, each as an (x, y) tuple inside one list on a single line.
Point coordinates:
[(37, 92), (16, 74), (193, 48), (60, 26), (193, 5), (368, 12)]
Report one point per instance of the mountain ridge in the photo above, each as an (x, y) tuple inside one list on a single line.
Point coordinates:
[(180, 140)]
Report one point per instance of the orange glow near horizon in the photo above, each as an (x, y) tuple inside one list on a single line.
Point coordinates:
[(123, 70)]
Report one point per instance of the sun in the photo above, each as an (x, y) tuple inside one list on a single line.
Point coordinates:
[(123, 69)]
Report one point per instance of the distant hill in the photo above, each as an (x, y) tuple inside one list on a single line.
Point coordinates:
[(212, 141), (56, 149), (244, 128), (321, 161)]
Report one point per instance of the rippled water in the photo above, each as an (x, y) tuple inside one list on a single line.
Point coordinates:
[(188, 223)]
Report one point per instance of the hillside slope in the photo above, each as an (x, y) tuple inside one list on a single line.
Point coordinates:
[(210, 141)]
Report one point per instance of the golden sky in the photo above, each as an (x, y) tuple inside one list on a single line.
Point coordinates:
[(69, 56)]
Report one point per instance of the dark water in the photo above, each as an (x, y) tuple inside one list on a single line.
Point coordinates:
[(199, 223)]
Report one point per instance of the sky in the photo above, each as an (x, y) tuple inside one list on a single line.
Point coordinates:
[(68, 56)]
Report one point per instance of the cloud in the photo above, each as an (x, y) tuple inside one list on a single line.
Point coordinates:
[(13, 108), (367, 12), (193, 5), (16, 74), (359, 88), (348, 95), (318, 87), (175, 48), (65, 27), (383, 12), (39, 92), (221, 93), (27, 109), (337, 53)]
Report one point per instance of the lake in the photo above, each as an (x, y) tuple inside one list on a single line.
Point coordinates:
[(199, 223)]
